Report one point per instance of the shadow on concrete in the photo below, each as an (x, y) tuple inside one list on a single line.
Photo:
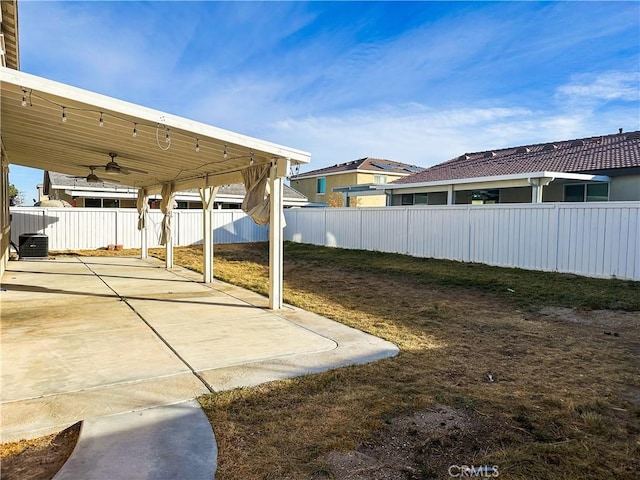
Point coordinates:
[(101, 275), (36, 289)]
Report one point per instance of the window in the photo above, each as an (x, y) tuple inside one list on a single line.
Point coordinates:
[(110, 203), (574, 193), (412, 199), (586, 192), (597, 192), (407, 199), (181, 204), (379, 179), (92, 203), (420, 199), (321, 186)]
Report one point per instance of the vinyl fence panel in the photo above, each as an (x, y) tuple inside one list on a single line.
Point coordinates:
[(29, 220), (234, 226), (592, 239), (90, 228)]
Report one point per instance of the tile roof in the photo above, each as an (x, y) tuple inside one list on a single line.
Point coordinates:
[(584, 155), (62, 180), (368, 164)]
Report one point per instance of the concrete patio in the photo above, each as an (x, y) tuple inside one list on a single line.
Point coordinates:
[(86, 337)]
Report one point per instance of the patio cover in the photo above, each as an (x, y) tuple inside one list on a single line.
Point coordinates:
[(35, 135), (54, 126)]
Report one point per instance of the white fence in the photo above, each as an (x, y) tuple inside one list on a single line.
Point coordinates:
[(592, 239), (89, 228)]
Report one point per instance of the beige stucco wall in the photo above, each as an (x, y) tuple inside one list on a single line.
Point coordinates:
[(307, 186), (61, 195), (624, 189), (621, 189), (371, 200)]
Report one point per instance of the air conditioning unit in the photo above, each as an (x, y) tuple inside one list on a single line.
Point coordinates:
[(33, 245)]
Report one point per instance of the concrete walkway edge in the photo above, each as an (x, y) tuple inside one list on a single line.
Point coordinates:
[(168, 442)]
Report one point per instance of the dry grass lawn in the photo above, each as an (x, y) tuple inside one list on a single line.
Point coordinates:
[(545, 366), (535, 373)]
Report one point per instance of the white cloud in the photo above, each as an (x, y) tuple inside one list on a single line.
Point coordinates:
[(418, 135), (475, 78), (607, 86)]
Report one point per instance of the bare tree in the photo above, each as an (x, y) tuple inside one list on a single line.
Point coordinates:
[(335, 200)]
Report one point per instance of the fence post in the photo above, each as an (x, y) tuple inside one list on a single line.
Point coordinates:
[(468, 235), (115, 230), (407, 230), (557, 242), (43, 222)]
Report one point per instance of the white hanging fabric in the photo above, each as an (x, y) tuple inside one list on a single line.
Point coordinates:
[(143, 207), (256, 200), (166, 206)]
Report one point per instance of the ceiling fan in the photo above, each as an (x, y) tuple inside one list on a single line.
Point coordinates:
[(114, 168), (93, 178)]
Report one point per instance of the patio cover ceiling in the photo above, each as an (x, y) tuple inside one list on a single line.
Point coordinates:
[(35, 135)]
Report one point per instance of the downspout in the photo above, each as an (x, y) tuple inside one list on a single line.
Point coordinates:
[(536, 187)]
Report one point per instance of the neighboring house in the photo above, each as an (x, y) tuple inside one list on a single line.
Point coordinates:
[(80, 193), (352, 183), (603, 168)]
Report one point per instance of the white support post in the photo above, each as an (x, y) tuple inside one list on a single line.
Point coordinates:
[(168, 250), (537, 184), (144, 245), (207, 195), (275, 234), (536, 192), (450, 195)]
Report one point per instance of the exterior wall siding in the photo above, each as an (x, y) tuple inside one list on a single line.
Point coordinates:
[(625, 189), (307, 186), (91, 228), (591, 239)]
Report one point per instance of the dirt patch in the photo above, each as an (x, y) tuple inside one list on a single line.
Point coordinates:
[(417, 446), (40, 458), (608, 319)]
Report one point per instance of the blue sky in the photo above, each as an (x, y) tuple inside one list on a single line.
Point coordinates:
[(416, 82)]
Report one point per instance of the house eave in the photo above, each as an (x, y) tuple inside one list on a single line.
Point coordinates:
[(303, 176), (499, 178)]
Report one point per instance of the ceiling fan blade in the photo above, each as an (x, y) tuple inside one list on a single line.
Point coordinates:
[(135, 170)]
